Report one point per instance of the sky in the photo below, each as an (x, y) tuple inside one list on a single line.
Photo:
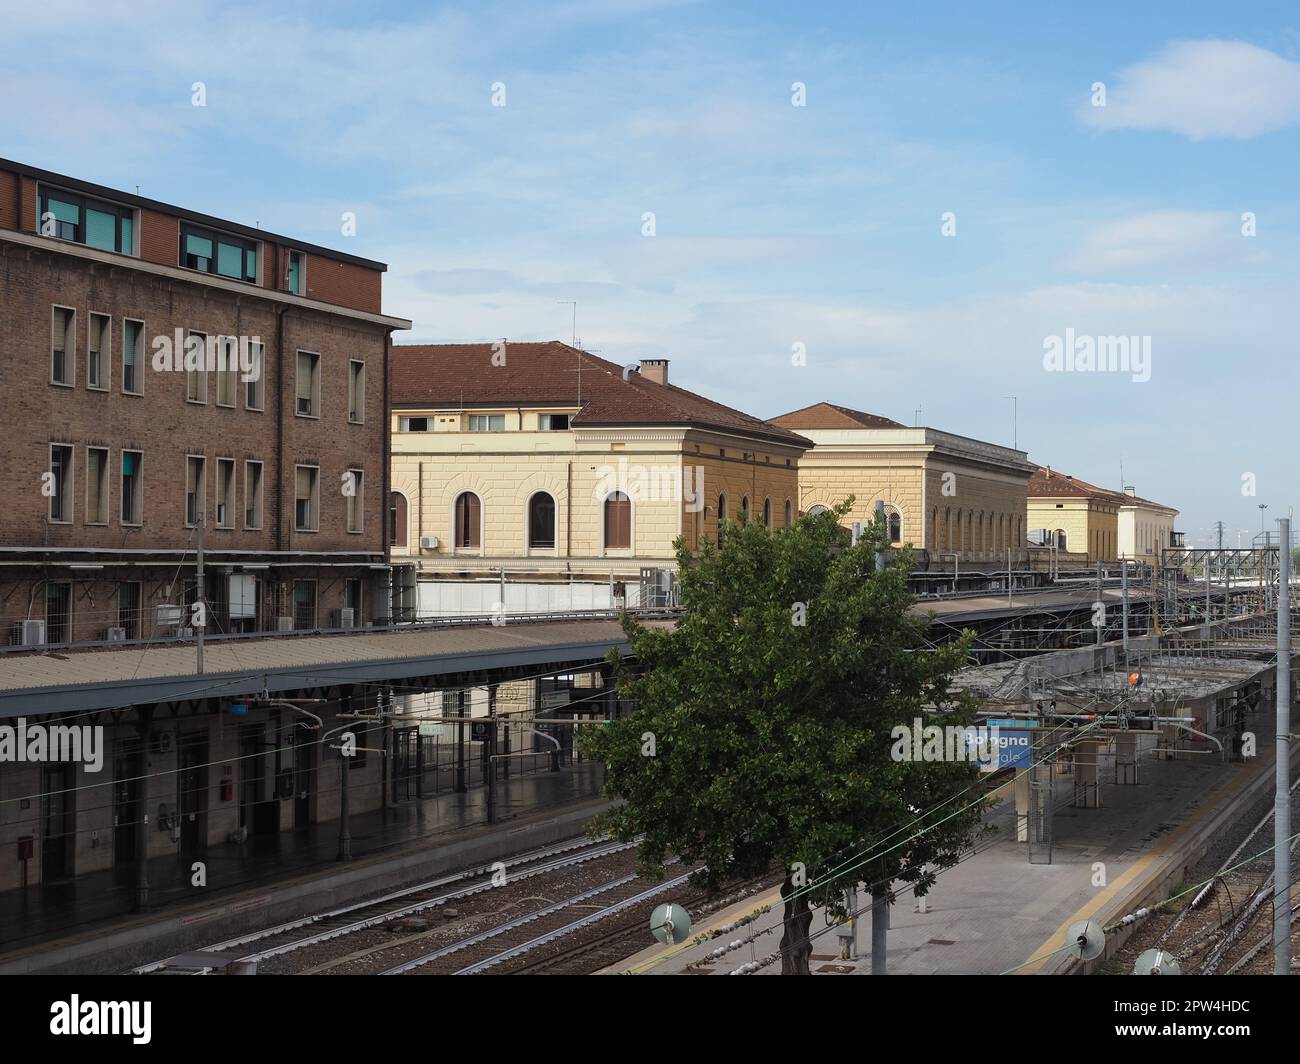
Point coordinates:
[(890, 207)]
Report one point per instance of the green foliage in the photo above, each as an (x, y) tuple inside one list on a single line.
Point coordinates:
[(772, 738)]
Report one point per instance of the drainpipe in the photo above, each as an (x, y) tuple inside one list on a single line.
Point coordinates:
[(386, 449), (279, 427)]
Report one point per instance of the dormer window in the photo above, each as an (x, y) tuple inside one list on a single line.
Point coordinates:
[(92, 222), (208, 251)]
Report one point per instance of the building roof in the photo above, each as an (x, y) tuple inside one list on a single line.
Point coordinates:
[(551, 373), (1052, 483), (833, 416)]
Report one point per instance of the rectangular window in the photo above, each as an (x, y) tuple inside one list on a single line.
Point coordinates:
[(255, 387), (295, 278), (307, 385), (252, 494), (58, 612), (211, 252), (132, 333), (98, 353), (356, 392), (227, 369), (555, 422), (60, 483), (96, 485), (128, 607), (413, 424), (195, 489), (132, 498), (355, 501), (306, 507), (196, 380), (304, 604), (487, 422), (63, 345), (225, 493), (92, 222)]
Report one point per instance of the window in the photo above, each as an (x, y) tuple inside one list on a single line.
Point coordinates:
[(618, 522), (98, 352), (487, 422), (356, 501), (357, 392), (308, 385), (412, 424), (255, 386), (895, 520), (58, 611), (63, 345), (396, 519), (304, 604), (225, 493), (227, 369), (541, 521), (468, 522), (132, 331), (306, 508), (96, 485), (817, 510), (131, 493), (353, 595), (767, 513), (555, 422), (744, 509), (128, 607), (195, 489), (722, 507), (252, 494), (87, 221), (789, 513), (60, 483), (212, 252), (296, 271), (196, 379)]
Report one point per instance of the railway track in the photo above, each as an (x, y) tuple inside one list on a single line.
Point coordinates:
[(358, 917)]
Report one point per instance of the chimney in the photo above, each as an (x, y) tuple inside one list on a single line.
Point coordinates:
[(655, 369), (1130, 489)]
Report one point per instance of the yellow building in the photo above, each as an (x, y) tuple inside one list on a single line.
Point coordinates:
[(1145, 527), (567, 473), (1074, 516), (943, 493)]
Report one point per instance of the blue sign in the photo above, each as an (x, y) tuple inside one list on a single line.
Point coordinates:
[(1015, 748)]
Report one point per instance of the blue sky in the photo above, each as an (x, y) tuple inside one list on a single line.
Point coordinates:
[(774, 224)]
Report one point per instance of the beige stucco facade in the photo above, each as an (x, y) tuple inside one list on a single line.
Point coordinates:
[(672, 474), (1144, 528), (1084, 524), (952, 494)]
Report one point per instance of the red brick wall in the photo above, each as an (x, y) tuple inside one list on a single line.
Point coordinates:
[(160, 238), (8, 205), (343, 283), (28, 221), (167, 428)]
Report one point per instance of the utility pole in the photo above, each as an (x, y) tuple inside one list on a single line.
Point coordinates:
[(1282, 800), (1101, 617), (345, 834), (880, 894), (200, 616), (1123, 590), (1008, 578)]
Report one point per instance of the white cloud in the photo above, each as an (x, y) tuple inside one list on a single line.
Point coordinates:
[(1203, 89), (1178, 238)]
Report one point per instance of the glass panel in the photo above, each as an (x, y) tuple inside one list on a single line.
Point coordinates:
[(230, 260), (128, 236), (101, 229), (250, 265), (293, 275), (197, 245), (128, 464), (64, 212)]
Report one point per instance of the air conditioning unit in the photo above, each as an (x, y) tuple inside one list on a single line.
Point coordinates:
[(284, 624), (29, 633), (347, 617), (428, 542), (184, 633), (115, 635)]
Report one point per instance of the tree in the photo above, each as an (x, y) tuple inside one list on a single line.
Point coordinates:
[(761, 733)]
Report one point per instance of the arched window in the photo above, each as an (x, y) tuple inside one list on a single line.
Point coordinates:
[(618, 521), (767, 512), (744, 509), (817, 509), (541, 521), (722, 507), (956, 545), (895, 520), (789, 513), (468, 531), (396, 519)]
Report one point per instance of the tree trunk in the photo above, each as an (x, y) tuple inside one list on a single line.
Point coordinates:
[(796, 947)]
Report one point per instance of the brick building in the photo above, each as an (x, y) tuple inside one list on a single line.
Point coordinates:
[(567, 472), (116, 445)]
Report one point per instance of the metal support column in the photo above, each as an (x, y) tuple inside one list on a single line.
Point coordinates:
[(1282, 799)]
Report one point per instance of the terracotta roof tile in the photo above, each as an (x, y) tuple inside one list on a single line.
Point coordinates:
[(833, 416), (455, 375)]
